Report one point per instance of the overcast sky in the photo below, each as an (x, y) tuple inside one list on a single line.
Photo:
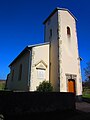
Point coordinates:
[(21, 25)]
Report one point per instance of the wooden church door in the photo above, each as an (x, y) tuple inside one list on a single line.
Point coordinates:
[(71, 85)]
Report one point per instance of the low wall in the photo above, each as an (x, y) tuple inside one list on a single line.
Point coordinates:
[(21, 102)]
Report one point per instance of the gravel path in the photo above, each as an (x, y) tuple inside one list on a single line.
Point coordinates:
[(83, 106)]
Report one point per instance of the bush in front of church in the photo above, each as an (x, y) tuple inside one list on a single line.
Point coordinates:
[(45, 86)]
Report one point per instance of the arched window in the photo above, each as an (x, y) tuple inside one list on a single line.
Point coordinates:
[(20, 72), (68, 31)]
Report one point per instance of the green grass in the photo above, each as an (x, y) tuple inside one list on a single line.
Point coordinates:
[(2, 86), (86, 95)]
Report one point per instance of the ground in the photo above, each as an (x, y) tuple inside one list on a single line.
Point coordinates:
[(82, 112), (65, 115), (83, 106)]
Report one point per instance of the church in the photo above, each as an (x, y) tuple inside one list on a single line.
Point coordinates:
[(56, 60)]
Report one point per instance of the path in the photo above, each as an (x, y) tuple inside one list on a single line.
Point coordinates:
[(83, 106)]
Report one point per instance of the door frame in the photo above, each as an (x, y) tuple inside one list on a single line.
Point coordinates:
[(71, 76)]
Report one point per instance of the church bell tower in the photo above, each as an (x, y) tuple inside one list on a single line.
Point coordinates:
[(64, 60)]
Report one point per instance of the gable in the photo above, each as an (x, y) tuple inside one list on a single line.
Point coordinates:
[(41, 65)]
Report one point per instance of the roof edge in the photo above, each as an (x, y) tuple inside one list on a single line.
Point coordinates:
[(55, 10), (26, 49), (21, 53), (38, 44)]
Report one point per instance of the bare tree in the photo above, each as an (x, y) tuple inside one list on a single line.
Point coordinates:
[(87, 75)]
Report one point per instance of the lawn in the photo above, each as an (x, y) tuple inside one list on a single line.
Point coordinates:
[(2, 86), (86, 95)]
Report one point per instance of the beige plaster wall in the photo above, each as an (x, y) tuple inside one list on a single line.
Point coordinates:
[(39, 53), (53, 24), (69, 58), (21, 85)]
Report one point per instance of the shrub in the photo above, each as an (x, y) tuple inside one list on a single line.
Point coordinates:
[(45, 86)]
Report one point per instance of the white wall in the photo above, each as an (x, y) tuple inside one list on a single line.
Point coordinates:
[(69, 51), (39, 53), (53, 24), (64, 56)]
